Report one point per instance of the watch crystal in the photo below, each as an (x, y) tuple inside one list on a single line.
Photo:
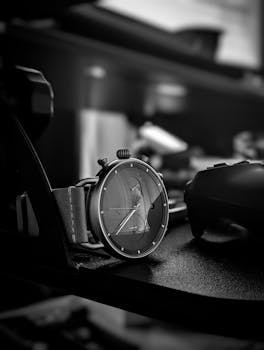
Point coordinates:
[(134, 209)]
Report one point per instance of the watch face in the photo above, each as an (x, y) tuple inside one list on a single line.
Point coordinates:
[(133, 209)]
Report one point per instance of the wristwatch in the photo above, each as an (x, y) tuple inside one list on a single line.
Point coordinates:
[(123, 210)]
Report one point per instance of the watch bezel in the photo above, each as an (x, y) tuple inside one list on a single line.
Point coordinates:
[(94, 210)]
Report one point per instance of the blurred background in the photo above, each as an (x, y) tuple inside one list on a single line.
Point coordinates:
[(178, 82), (192, 68)]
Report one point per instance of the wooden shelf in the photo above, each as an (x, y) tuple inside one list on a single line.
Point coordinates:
[(146, 66)]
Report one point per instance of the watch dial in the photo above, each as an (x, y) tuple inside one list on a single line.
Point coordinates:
[(133, 209)]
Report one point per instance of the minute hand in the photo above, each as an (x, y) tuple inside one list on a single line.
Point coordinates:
[(125, 220)]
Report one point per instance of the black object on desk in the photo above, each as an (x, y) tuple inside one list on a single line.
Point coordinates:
[(21, 110), (230, 196)]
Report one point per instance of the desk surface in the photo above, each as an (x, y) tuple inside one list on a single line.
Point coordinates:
[(213, 285)]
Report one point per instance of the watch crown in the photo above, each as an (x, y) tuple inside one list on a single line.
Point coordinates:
[(123, 154), (103, 162)]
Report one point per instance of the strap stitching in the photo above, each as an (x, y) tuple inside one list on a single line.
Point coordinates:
[(72, 216)]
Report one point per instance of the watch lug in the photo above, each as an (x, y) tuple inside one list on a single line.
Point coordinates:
[(92, 245), (88, 181)]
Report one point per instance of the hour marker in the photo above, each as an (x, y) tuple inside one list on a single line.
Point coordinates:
[(153, 243), (104, 188), (162, 226), (165, 205), (109, 234), (115, 171), (139, 251), (102, 211), (131, 165), (159, 184), (122, 248), (147, 170)]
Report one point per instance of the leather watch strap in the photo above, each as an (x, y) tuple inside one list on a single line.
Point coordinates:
[(71, 203)]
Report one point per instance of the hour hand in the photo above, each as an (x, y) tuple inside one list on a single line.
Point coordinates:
[(126, 219)]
